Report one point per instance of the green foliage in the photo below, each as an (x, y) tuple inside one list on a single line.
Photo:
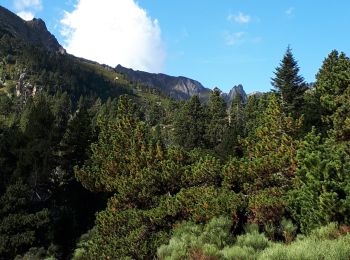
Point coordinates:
[(122, 231), (321, 193), (314, 246), (267, 206), (75, 142), (189, 240), (289, 84), (332, 87), (206, 171), (55, 72), (35, 253), (217, 120), (254, 240), (288, 230), (21, 224), (237, 252), (270, 157), (189, 124), (125, 159)]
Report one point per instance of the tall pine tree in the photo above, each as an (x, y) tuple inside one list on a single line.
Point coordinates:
[(289, 84), (217, 119), (189, 125)]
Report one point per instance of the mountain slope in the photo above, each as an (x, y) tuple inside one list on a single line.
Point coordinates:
[(175, 87), (34, 31)]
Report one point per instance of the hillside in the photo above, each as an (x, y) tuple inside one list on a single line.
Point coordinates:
[(34, 31), (109, 163), (177, 87)]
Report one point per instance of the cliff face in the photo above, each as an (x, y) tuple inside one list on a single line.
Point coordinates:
[(34, 31), (236, 90)]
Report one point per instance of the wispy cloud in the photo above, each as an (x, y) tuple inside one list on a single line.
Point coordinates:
[(239, 18), (121, 32), (26, 9), (21, 5), (234, 38), (290, 11)]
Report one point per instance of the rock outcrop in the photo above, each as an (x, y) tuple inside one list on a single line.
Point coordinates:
[(236, 90), (34, 31), (24, 89)]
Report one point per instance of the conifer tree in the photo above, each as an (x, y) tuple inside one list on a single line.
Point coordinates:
[(217, 122), (333, 90), (289, 84), (189, 125), (321, 192), (237, 115), (267, 170)]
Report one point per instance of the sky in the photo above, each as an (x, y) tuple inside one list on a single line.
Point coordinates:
[(220, 43)]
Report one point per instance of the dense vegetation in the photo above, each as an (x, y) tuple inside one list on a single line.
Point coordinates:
[(94, 168)]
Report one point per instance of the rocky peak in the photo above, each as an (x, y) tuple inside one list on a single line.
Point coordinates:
[(34, 31), (236, 90)]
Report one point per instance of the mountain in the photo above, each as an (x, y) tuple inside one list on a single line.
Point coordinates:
[(34, 31), (177, 87), (236, 90)]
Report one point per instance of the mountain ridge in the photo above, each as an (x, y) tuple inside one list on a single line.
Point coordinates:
[(178, 87), (34, 31)]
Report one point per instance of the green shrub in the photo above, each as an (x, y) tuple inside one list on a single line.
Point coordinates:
[(238, 253), (321, 244), (253, 240), (217, 232), (288, 230), (330, 231), (191, 240)]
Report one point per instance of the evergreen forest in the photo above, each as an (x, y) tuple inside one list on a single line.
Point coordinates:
[(97, 168)]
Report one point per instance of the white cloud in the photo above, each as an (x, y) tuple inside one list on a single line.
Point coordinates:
[(26, 9), (22, 5), (290, 11), (234, 38), (239, 18), (25, 15), (114, 32)]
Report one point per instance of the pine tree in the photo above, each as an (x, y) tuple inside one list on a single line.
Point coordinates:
[(333, 90), (217, 119), (289, 84), (267, 170), (189, 125), (22, 223), (321, 192), (237, 115)]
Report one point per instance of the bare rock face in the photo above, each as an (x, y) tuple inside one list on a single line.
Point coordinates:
[(24, 89), (236, 90), (34, 31)]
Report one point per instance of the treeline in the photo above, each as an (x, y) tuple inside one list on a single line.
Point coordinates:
[(127, 177)]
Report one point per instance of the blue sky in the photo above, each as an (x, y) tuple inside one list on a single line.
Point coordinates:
[(219, 43)]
